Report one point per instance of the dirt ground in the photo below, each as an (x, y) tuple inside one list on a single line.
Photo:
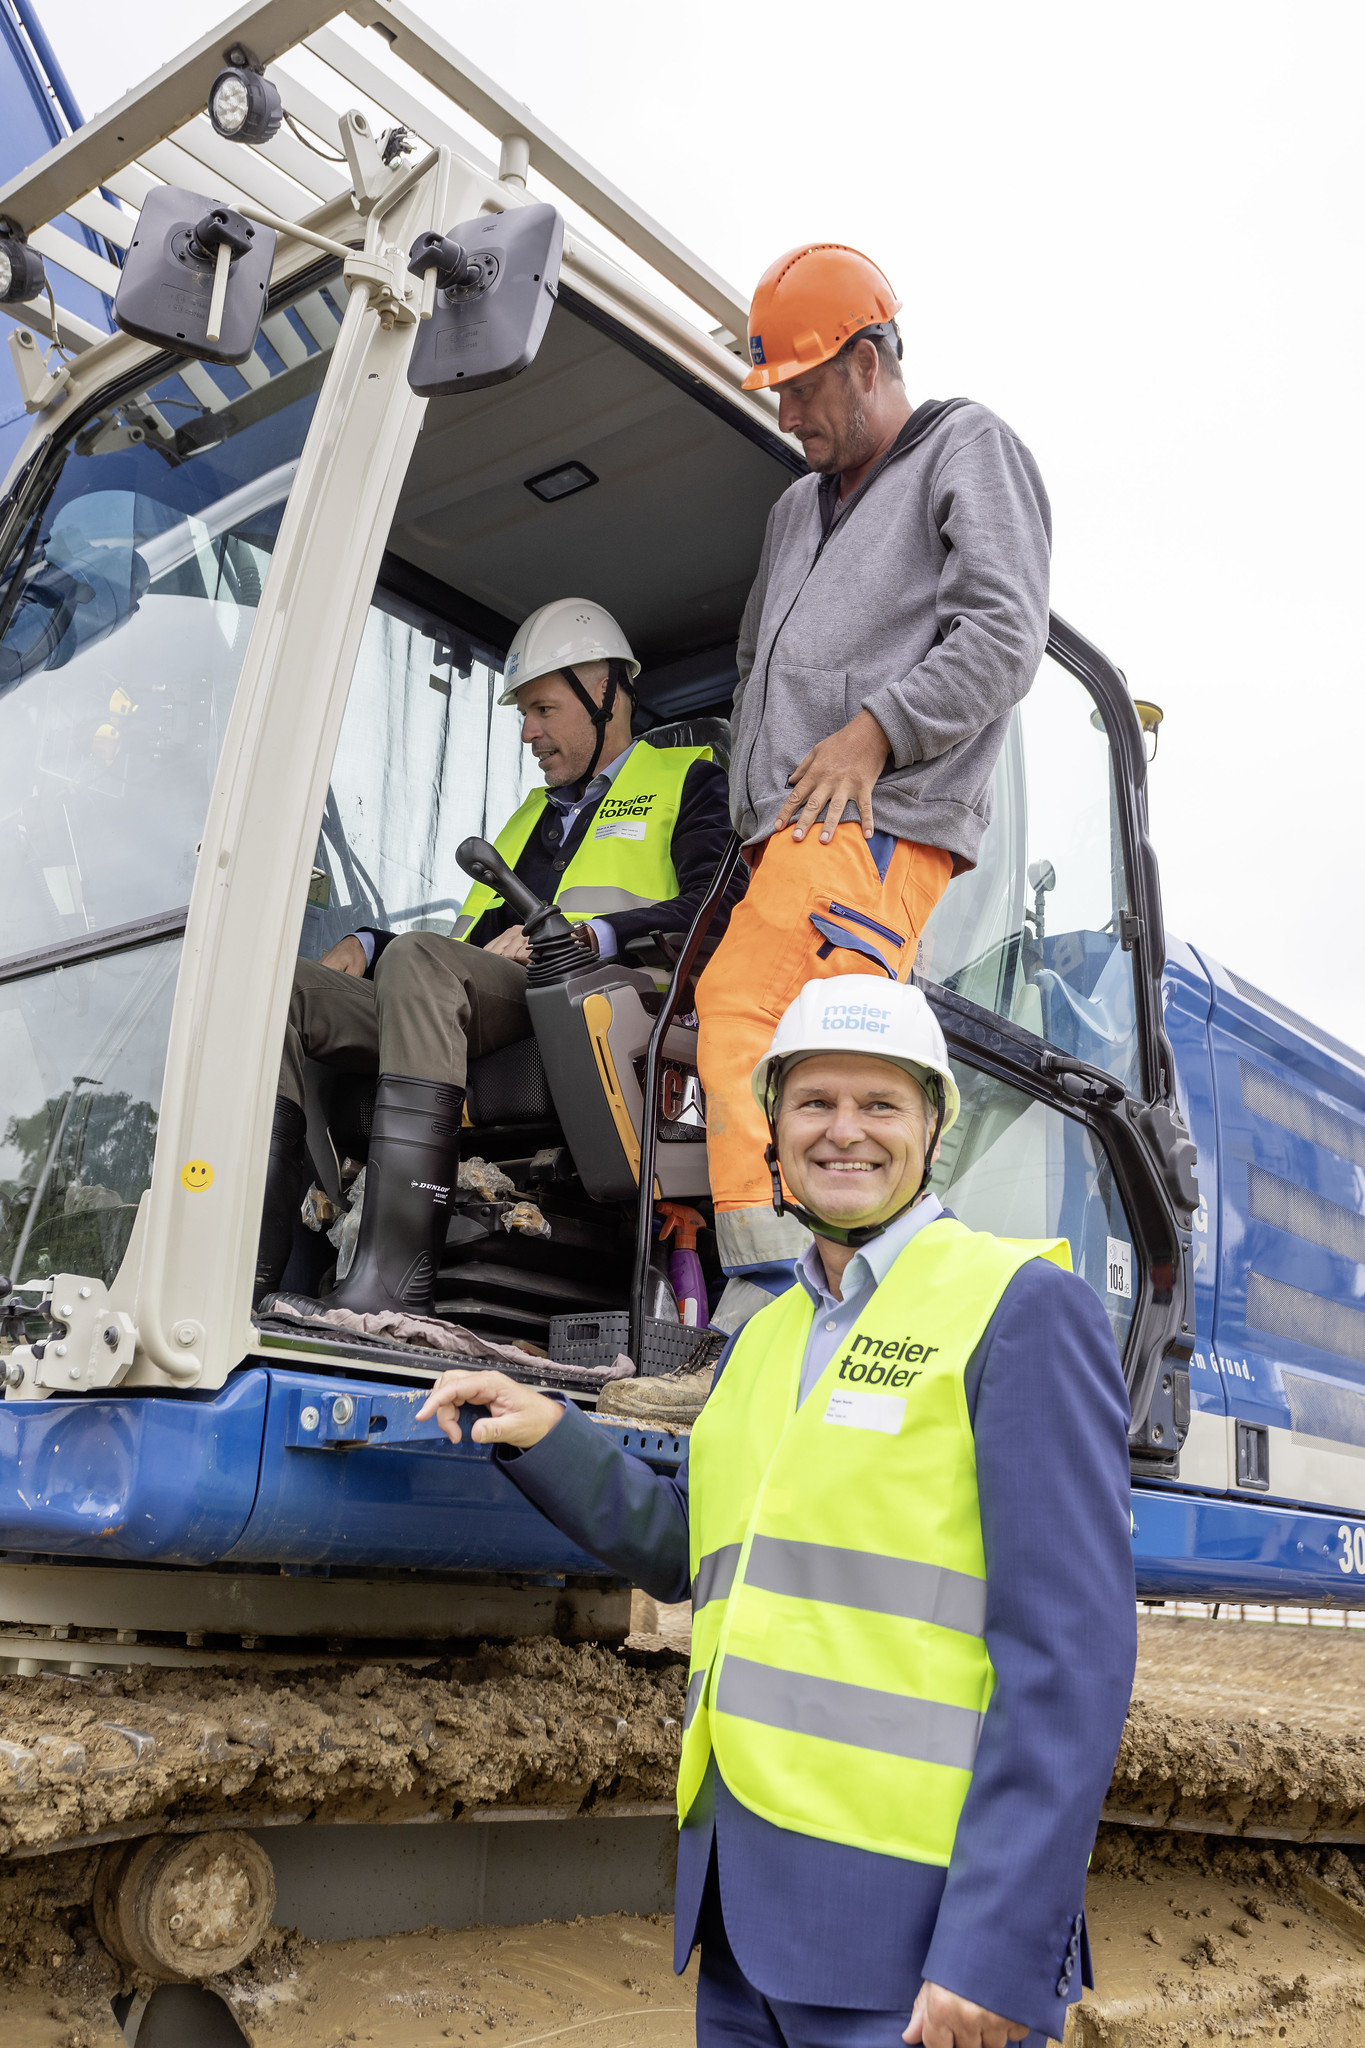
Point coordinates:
[(1196, 1945), (604, 1983), (1203, 1943)]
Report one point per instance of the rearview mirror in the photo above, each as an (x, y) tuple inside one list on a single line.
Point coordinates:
[(196, 277), (497, 279)]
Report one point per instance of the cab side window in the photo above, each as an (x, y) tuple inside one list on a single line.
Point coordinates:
[(426, 757), (1015, 1166), (1034, 932)]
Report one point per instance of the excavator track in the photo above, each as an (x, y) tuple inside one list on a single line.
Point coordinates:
[(1242, 1729)]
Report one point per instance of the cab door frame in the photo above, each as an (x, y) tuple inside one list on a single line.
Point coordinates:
[(1144, 1135)]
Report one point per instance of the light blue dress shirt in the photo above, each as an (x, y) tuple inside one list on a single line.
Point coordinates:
[(865, 1271)]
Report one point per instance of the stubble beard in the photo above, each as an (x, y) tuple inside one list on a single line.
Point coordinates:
[(850, 443)]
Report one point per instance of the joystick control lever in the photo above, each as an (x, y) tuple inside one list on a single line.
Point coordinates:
[(556, 953)]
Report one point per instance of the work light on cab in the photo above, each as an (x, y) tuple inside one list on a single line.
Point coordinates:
[(22, 276), (244, 106)]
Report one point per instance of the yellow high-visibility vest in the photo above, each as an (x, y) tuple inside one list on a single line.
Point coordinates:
[(839, 1663), (626, 859)]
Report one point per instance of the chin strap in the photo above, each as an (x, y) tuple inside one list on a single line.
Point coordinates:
[(862, 1233), (600, 714)]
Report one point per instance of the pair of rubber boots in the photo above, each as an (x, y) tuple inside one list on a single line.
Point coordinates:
[(409, 1185)]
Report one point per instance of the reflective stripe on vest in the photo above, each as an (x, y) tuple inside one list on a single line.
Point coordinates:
[(839, 1663), (626, 859)]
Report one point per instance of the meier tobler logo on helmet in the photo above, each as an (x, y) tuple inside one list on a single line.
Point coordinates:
[(855, 1017)]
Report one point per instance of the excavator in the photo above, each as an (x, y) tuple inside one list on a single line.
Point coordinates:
[(390, 365)]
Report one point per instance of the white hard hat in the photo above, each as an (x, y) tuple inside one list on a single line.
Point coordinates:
[(861, 1013), (564, 634)]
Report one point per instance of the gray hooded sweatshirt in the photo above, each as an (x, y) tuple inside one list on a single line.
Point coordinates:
[(922, 599)]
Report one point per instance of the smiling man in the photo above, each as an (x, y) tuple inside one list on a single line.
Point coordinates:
[(623, 835), (904, 1523), (899, 613)]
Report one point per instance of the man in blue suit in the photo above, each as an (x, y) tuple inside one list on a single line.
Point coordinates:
[(904, 1523)]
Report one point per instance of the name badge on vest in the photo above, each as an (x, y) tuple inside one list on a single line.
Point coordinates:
[(882, 1412), (621, 828)]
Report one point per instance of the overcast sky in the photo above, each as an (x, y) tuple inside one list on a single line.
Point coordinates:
[(1132, 230)]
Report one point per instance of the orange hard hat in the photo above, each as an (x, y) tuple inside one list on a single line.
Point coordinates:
[(808, 304)]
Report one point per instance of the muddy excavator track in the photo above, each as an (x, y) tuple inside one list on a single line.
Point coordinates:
[(1234, 1729), (1242, 1729), (1237, 1805)]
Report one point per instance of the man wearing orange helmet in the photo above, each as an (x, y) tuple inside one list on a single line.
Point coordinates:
[(899, 613)]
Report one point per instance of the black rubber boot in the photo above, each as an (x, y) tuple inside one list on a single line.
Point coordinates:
[(283, 1193), (409, 1182)]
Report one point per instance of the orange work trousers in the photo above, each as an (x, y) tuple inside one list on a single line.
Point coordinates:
[(811, 911)]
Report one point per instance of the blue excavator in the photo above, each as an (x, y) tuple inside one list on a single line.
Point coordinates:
[(257, 581)]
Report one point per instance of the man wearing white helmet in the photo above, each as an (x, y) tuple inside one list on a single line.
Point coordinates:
[(904, 1525), (625, 836)]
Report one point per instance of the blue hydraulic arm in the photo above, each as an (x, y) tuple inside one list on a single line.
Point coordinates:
[(40, 109)]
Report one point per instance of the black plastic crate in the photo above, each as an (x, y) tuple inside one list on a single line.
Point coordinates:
[(667, 1347)]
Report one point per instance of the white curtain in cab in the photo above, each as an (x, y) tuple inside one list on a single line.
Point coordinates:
[(426, 757)]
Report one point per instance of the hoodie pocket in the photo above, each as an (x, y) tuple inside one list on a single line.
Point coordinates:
[(803, 706)]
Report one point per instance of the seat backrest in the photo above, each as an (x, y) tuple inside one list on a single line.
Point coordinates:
[(694, 732)]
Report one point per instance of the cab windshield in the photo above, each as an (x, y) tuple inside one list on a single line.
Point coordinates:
[(124, 616), (126, 603)]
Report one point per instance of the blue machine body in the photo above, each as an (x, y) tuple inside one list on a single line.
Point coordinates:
[(260, 1473), (1277, 1378), (40, 110)]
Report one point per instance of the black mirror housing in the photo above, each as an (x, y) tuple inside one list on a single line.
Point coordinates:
[(166, 286), (489, 322)]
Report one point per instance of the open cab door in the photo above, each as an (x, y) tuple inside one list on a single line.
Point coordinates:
[(1044, 966)]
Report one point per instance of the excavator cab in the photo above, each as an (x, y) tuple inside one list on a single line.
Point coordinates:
[(215, 766), (253, 620), (541, 1243)]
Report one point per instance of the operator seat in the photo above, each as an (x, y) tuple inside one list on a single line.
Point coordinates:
[(504, 1087)]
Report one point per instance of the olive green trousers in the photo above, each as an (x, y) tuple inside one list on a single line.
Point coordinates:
[(434, 1004)]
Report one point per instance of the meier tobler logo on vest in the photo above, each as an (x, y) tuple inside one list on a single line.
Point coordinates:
[(624, 817), (885, 1361)]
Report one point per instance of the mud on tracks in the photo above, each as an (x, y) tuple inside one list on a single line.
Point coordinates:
[(1244, 1728), (528, 1724)]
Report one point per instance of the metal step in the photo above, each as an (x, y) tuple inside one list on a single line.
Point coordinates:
[(469, 1310)]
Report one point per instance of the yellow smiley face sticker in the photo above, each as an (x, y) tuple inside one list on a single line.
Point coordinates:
[(196, 1175)]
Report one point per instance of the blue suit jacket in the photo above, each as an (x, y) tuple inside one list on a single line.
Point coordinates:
[(822, 1924)]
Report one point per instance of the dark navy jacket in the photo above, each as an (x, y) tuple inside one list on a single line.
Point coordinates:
[(822, 1924)]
